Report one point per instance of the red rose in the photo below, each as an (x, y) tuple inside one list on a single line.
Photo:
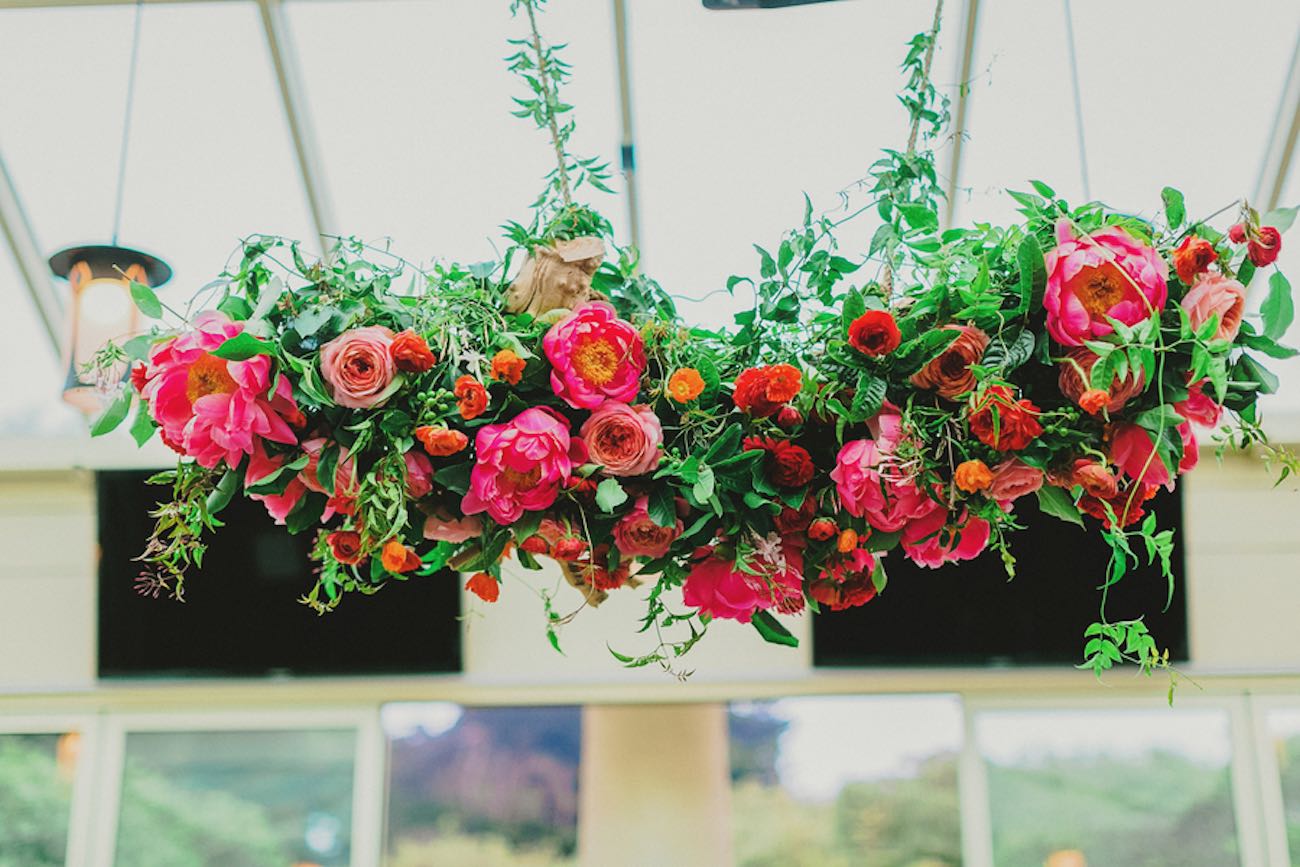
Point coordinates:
[(1126, 504), (762, 391), (1192, 257), (855, 590), (411, 353), (788, 418), (786, 464), (874, 333), (1264, 247), (791, 521), (345, 545), (569, 548), (139, 376), (1001, 422), (949, 373), (535, 544), (1237, 233)]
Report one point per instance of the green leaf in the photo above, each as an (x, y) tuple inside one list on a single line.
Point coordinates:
[(662, 506), (143, 426), (703, 488), (1278, 309), (772, 630), (224, 492), (1245, 273), (454, 478), (610, 495), (114, 415), (1033, 274), (1279, 218), (1257, 373), (879, 578), (869, 396), (1056, 502), (242, 347), (919, 217), (306, 514), (1175, 209), (146, 300), (235, 307)]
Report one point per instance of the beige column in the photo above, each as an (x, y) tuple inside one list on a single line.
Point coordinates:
[(655, 788)]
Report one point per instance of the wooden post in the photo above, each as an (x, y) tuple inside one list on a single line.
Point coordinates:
[(655, 786)]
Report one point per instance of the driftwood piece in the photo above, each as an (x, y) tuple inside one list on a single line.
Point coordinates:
[(556, 277)]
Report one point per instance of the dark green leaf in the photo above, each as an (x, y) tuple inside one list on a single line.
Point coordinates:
[(242, 347), (772, 630), (1056, 502), (114, 415)]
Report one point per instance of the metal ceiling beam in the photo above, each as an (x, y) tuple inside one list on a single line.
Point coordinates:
[(288, 75), (1279, 153), (965, 62), (627, 141), (33, 270)]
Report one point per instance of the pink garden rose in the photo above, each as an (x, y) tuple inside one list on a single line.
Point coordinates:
[(358, 366), (637, 535), (1013, 479), (209, 408), (1107, 274), (1214, 294), (1199, 407), (261, 465), (870, 489), (1134, 454), (928, 540), (717, 588), (521, 465), (442, 526), (419, 474), (594, 356), (624, 439)]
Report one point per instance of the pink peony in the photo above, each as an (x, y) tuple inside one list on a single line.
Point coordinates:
[(346, 483), (261, 465), (869, 488), (1191, 450), (521, 465), (1216, 295), (717, 588), (928, 541), (419, 474), (1199, 407), (1134, 453), (1107, 274), (209, 408), (624, 439), (637, 535), (594, 355), (1013, 479), (358, 366), (442, 526)]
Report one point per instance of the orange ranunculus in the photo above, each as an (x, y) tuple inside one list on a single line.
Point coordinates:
[(1094, 400), (848, 541), (441, 441), (972, 476), (1000, 421), (822, 529), (1192, 257), (398, 558), (685, 385), (484, 586), (411, 353), (762, 391), (471, 397), (508, 367)]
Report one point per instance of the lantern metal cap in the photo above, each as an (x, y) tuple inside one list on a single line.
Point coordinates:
[(104, 259)]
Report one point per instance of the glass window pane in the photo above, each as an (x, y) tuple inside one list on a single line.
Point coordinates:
[(1285, 729), (482, 786), (1139, 788), (36, 774), (833, 782), (32, 405), (251, 798)]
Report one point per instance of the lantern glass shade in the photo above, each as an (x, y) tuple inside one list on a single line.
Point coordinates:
[(100, 310)]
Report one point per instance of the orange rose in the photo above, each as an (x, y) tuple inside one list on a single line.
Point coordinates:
[(1192, 257), (345, 545), (972, 476), (848, 541), (949, 374), (398, 558), (471, 396), (685, 385), (411, 353), (441, 441), (508, 367), (484, 586)]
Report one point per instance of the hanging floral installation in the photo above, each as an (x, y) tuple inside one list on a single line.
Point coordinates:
[(869, 405)]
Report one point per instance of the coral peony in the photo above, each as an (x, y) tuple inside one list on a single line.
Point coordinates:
[(1134, 453), (1193, 256), (443, 526), (439, 441), (260, 466), (594, 356), (419, 475), (1075, 382), (1109, 274), (762, 391), (874, 333), (212, 409), (718, 587), (930, 542), (358, 366), (520, 465), (1191, 450), (508, 367), (685, 385), (1013, 479), (1216, 295), (1000, 422), (411, 353), (623, 439), (1095, 479), (869, 488), (949, 373), (471, 397), (637, 535)]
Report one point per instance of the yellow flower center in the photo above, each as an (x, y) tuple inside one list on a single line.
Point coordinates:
[(1098, 289), (595, 359), (523, 481), (208, 375)]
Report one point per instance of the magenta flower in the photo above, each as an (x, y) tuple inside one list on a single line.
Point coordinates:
[(594, 355), (521, 465), (929, 542), (870, 488), (261, 465), (718, 588), (1107, 274), (212, 409), (1134, 453)]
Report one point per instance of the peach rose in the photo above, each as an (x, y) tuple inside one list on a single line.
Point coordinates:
[(358, 366), (624, 439), (1216, 294), (1013, 479), (442, 526), (637, 535), (949, 374)]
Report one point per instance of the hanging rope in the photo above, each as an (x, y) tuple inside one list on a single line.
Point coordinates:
[(126, 120), (1078, 100)]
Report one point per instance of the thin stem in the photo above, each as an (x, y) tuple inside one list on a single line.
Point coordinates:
[(561, 162), (126, 120), (925, 75)]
